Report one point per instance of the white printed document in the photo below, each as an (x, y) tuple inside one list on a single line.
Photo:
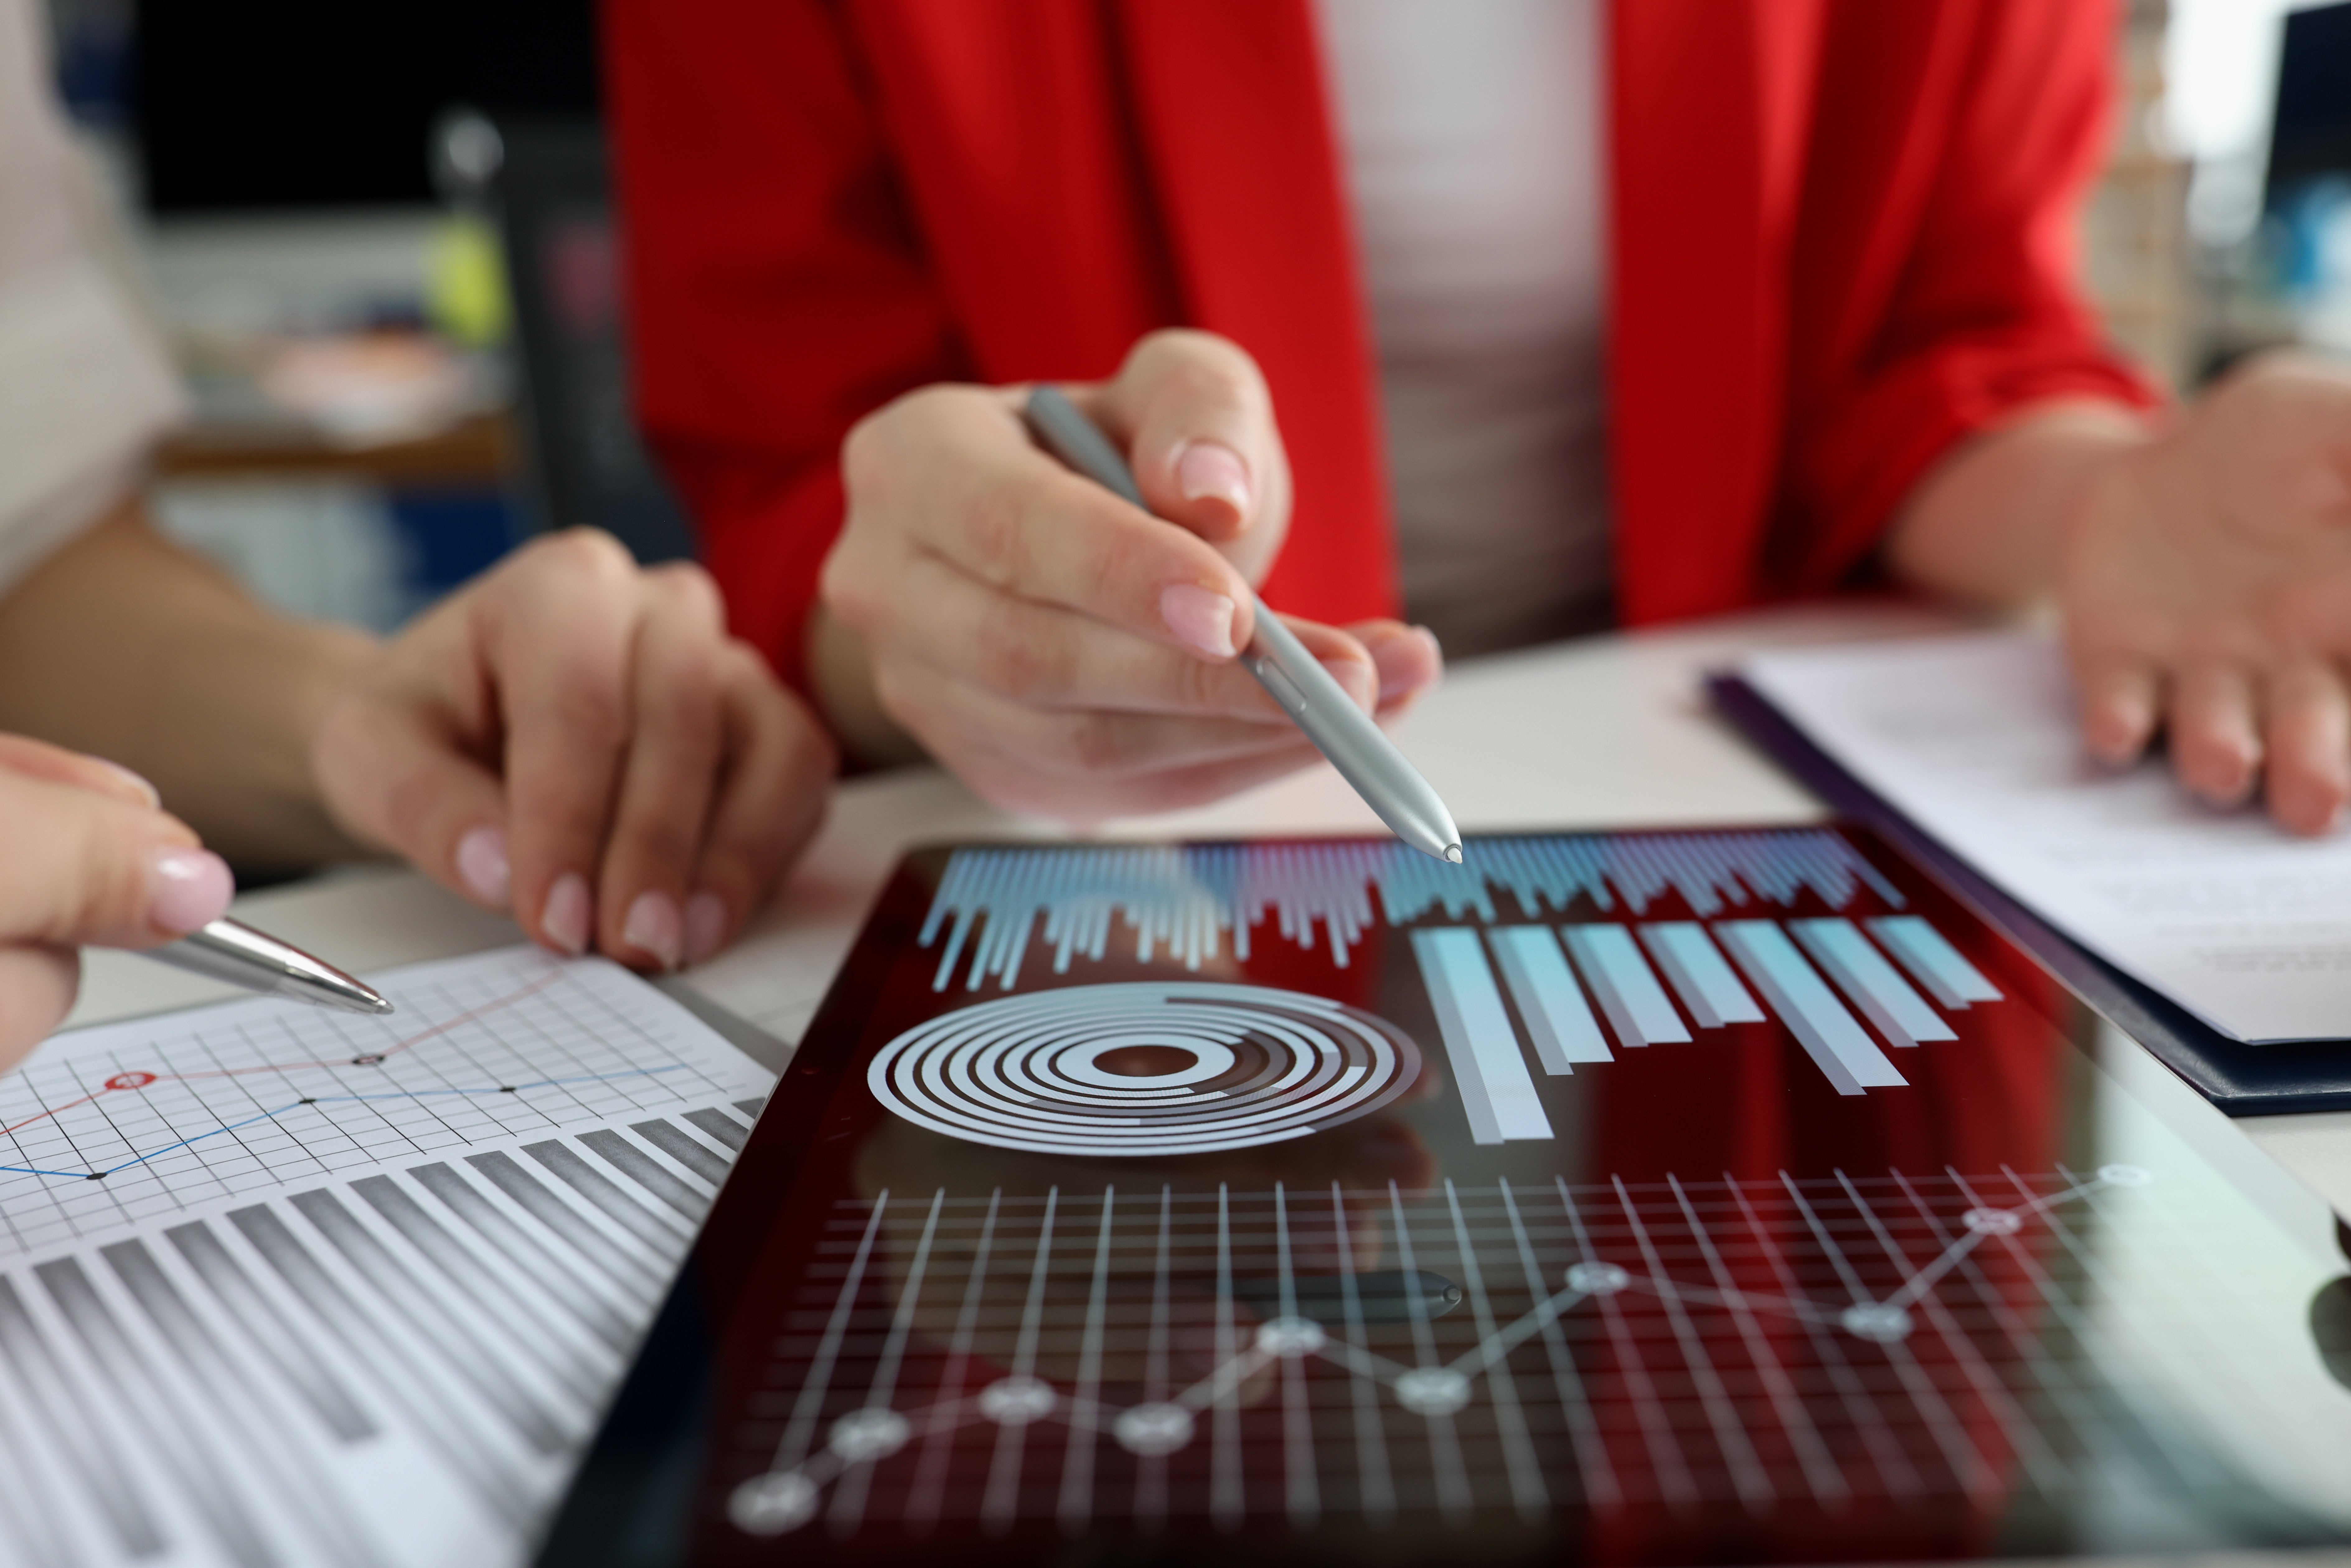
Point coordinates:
[(1973, 738), (281, 1286)]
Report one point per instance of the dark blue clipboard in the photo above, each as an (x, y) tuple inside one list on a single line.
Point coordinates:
[(2242, 1080)]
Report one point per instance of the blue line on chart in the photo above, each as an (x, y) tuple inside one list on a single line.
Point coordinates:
[(335, 1100)]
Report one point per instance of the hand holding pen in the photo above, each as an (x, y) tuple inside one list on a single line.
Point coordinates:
[(1064, 652), (93, 859)]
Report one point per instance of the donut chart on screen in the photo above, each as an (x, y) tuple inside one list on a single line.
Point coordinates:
[(1146, 1068)]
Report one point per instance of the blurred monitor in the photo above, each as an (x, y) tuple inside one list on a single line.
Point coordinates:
[(263, 104), (2310, 139)]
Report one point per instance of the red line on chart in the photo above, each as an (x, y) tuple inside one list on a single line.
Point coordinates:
[(121, 1081)]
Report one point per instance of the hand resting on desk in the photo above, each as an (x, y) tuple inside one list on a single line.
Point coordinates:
[(1062, 652), (2202, 564)]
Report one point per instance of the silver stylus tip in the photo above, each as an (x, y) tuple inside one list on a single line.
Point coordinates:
[(1452, 854)]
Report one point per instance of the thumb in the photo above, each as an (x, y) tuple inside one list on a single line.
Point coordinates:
[(86, 867), (1198, 419)]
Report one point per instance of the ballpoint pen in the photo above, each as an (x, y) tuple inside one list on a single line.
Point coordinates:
[(233, 951), (1312, 697)]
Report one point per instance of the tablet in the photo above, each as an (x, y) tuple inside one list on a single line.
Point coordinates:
[(1637, 1197)]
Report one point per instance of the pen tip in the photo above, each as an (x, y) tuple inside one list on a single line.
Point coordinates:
[(1452, 854)]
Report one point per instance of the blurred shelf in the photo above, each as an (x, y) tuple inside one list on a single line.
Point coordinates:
[(478, 451)]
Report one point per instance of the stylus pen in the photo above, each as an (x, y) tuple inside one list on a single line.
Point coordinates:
[(233, 951), (1366, 758)]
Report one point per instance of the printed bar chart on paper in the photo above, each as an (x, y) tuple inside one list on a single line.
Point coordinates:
[(282, 1286)]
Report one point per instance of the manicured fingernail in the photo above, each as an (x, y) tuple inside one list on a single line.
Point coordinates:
[(187, 889), (137, 781), (706, 925), (482, 862), (566, 915), (654, 926), (1211, 469), (1199, 617)]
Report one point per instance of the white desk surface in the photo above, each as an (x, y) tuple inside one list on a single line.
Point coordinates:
[(1607, 732)]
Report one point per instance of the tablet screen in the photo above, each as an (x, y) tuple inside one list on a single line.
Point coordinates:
[(1642, 1196)]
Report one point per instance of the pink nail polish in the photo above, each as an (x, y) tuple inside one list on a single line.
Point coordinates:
[(654, 926), (565, 917), (1210, 468), (1199, 618), (482, 862), (187, 889), (706, 925)]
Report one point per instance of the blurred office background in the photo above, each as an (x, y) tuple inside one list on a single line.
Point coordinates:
[(379, 234)]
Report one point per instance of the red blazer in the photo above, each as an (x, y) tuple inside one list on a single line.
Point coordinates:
[(1840, 238)]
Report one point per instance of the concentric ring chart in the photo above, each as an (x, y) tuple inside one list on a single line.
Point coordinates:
[(1144, 1069)]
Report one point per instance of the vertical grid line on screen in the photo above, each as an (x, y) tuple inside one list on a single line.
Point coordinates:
[(1968, 1465), (1301, 1491), (799, 1432), (1151, 1469), (1597, 1478), (1075, 1507), (2225, 1389), (1227, 1501), (1896, 1472), (1000, 1504), (1822, 1476), (1454, 1500), (1748, 1476), (857, 1475), (2056, 1384), (1375, 1481), (1667, 1464), (927, 1493), (2050, 1474), (1529, 1497)]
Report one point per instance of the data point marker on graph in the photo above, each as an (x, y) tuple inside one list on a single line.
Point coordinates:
[(1152, 1429), (1597, 1279), (1432, 1390), (869, 1434), (1017, 1400), (1992, 1221), (1290, 1338), (1880, 1321), (773, 1504)]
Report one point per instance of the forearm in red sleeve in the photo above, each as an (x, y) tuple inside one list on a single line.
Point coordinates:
[(1983, 320), (776, 288)]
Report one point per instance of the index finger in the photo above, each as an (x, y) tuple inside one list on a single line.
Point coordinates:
[(996, 506), (557, 634)]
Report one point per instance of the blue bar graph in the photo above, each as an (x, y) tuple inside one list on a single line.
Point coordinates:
[(1497, 1094), (1637, 1005), (1699, 976), (1557, 1017), (1877, 988), (1837, 1044), (1932, 961)]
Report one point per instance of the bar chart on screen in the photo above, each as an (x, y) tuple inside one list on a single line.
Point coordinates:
[(280, 1285), (1540, 954)]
